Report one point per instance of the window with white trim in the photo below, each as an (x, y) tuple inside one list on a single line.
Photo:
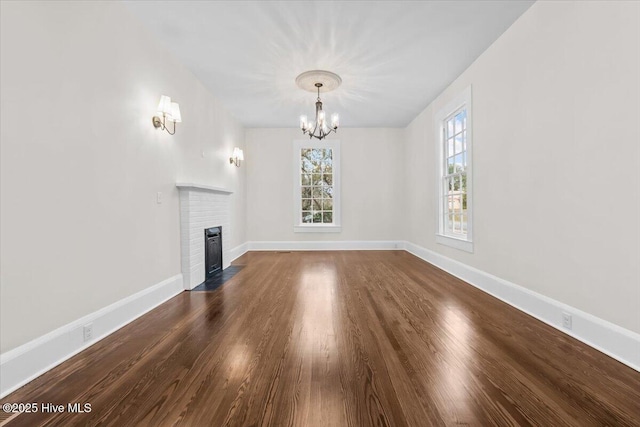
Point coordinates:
[(453, 124), (316, 186)]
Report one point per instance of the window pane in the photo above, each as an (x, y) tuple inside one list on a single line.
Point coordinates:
[(458, 122), (317, 179), (306, 192), (450, 203), (305, 179), (450, 166), (327, 204), (449, 127), (328, 178), (448, 185), (316, 155), (317, 205), (456, 202), (458, 143), (306, 204), (307, 217), (449, 152), (327, 156), (459, 162), (317, 192), (327, 192), (307, 166), (327, 217), (317, 217)]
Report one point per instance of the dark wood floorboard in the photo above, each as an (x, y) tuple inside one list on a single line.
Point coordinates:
[(354, 338)]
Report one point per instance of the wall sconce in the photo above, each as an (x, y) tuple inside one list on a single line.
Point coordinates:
[(169, 111), (236, 157)]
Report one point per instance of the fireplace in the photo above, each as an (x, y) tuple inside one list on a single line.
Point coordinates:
[(213, 251), (202, 207)]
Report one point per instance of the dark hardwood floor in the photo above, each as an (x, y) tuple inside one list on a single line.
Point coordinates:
[(338, 339)]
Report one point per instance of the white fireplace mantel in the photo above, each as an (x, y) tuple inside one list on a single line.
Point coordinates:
[(202, 206), (201, 187)]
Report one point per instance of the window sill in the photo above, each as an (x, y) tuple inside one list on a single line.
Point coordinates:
[(463, 245), (319, 228)]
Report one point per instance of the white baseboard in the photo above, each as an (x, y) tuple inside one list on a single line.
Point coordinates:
[(333, 245), (238, 251), (30, 360), (612, 340)]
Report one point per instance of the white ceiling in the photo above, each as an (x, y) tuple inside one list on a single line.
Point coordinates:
[(394, 57)]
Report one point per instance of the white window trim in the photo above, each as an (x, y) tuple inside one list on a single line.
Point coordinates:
[(298, 226), (463, 99)]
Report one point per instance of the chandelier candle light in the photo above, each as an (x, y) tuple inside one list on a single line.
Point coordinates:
[(325, 81)]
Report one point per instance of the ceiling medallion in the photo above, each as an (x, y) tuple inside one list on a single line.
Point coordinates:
[(319, 81)]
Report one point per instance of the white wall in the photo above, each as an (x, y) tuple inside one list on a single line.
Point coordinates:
[(556, 104), (371, 185), (81, 162)]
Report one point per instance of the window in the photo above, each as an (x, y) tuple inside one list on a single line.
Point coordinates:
[(453, 124), (316, 186)]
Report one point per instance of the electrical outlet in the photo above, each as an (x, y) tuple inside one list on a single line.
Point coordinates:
[(566, 320), (159, 197), (87, 332)]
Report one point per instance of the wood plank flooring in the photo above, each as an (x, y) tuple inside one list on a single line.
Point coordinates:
[(354, 338)]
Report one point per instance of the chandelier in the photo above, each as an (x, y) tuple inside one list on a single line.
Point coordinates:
[(325, 81)]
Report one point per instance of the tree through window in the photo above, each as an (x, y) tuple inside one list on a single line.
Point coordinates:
[(316, 185)]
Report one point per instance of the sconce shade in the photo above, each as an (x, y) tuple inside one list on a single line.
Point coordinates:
[(175, 113), (236, 157), (167, 110), (164, 107)]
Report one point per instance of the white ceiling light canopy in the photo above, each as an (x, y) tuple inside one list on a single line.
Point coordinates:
[(307, 80), (319, 81)]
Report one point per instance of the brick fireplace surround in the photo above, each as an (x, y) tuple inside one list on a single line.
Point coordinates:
[(201, 207)]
